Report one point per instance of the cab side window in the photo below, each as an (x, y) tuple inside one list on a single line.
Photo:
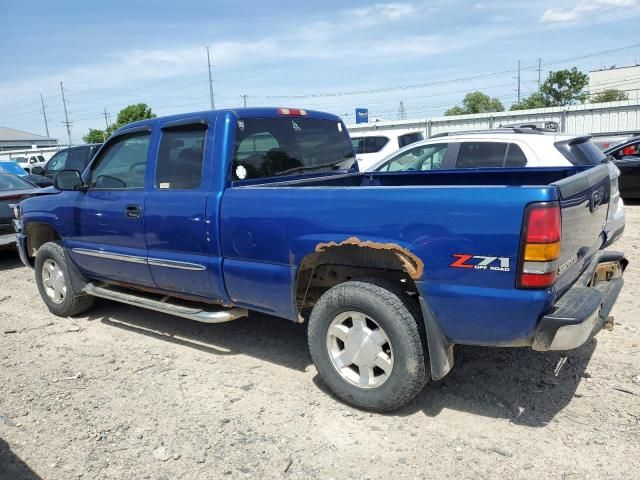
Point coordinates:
[(122, 164), (490, 155), (180, 157)]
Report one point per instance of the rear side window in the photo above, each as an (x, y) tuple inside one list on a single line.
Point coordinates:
[(409, 138), (581, 151), (481, 154), (370, 144), (272, 147), (180, 157), (490, 155)]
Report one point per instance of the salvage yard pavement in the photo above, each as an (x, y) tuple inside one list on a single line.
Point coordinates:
[(129, 393)]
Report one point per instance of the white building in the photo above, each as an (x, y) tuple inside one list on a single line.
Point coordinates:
[(618, 78)]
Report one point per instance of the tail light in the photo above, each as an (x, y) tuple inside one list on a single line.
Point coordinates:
[(540, 250)]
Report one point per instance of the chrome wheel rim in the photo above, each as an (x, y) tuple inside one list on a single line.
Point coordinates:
[(53, 280), (359, 349)]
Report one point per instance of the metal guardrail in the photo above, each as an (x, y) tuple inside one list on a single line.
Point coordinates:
[(611, 117)]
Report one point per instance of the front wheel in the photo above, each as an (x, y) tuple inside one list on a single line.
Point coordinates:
[(52, 278), (367, 342)]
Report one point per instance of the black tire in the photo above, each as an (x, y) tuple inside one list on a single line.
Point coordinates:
[(399, 316), (74, 303)]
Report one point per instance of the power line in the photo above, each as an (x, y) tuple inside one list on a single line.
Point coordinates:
[(443, 82)]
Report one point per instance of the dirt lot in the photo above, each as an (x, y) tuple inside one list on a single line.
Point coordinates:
[(126, 393)]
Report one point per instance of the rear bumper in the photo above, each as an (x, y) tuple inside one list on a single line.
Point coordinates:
[(583, 310)]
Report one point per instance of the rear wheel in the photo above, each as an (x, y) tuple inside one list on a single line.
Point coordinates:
[(367, 343), (52, 278)]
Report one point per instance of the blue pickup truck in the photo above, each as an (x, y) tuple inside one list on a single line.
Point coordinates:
[(209, 215)]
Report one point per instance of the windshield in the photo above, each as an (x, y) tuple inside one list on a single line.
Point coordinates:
[(10, 167), (272, 147), (11, 182)]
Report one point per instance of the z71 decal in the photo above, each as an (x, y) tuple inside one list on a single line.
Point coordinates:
[(480, 262)]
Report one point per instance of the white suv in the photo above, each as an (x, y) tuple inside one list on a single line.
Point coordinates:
[(508, 148), (373, 146)]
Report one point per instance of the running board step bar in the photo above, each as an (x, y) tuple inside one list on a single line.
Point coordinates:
[(164, 305)]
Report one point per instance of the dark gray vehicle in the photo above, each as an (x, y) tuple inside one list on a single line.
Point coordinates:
[(72, 158), (626, 156), (13, 189)]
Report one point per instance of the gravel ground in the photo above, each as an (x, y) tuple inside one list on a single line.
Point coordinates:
[(126, 393)]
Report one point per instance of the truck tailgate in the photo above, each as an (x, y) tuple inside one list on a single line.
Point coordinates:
[(584, 203)]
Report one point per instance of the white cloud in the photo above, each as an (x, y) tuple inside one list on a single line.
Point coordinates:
[(589, 9), (379, 12)]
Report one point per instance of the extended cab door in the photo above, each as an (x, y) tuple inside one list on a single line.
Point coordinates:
[(109, 240), (181, 215)]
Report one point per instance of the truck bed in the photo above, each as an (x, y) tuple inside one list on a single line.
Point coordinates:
[(466, 177)]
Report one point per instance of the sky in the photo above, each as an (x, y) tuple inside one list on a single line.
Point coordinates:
[(330, 55)]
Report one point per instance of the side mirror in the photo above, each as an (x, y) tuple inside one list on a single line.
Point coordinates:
[(33, 160), (37, 171), (68, 180)]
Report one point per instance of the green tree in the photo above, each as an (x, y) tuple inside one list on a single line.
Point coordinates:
[(535, 100), (565, 87), (476, 102), (95, 136), (133, 113), (609, 95), (130, 113)]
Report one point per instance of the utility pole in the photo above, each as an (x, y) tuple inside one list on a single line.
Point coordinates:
[(213, 106), (44, 114), (402, 114), (244, 99), (539, 73), (66, 122), (106, 122), (518, 81)]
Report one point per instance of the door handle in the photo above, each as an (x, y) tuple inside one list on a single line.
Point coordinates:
[(133, 211)]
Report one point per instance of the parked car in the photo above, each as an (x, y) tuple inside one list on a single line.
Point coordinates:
[(30, 162), (12, 190), (390, 270), (605, 141), (15, 169), (375, 145), (508, 148), (71, 158), (626, 157)]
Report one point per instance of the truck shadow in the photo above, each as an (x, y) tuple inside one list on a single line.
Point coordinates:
[(261, 336), (11, 467), (9, 259), (517, 384), (524, 386)]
